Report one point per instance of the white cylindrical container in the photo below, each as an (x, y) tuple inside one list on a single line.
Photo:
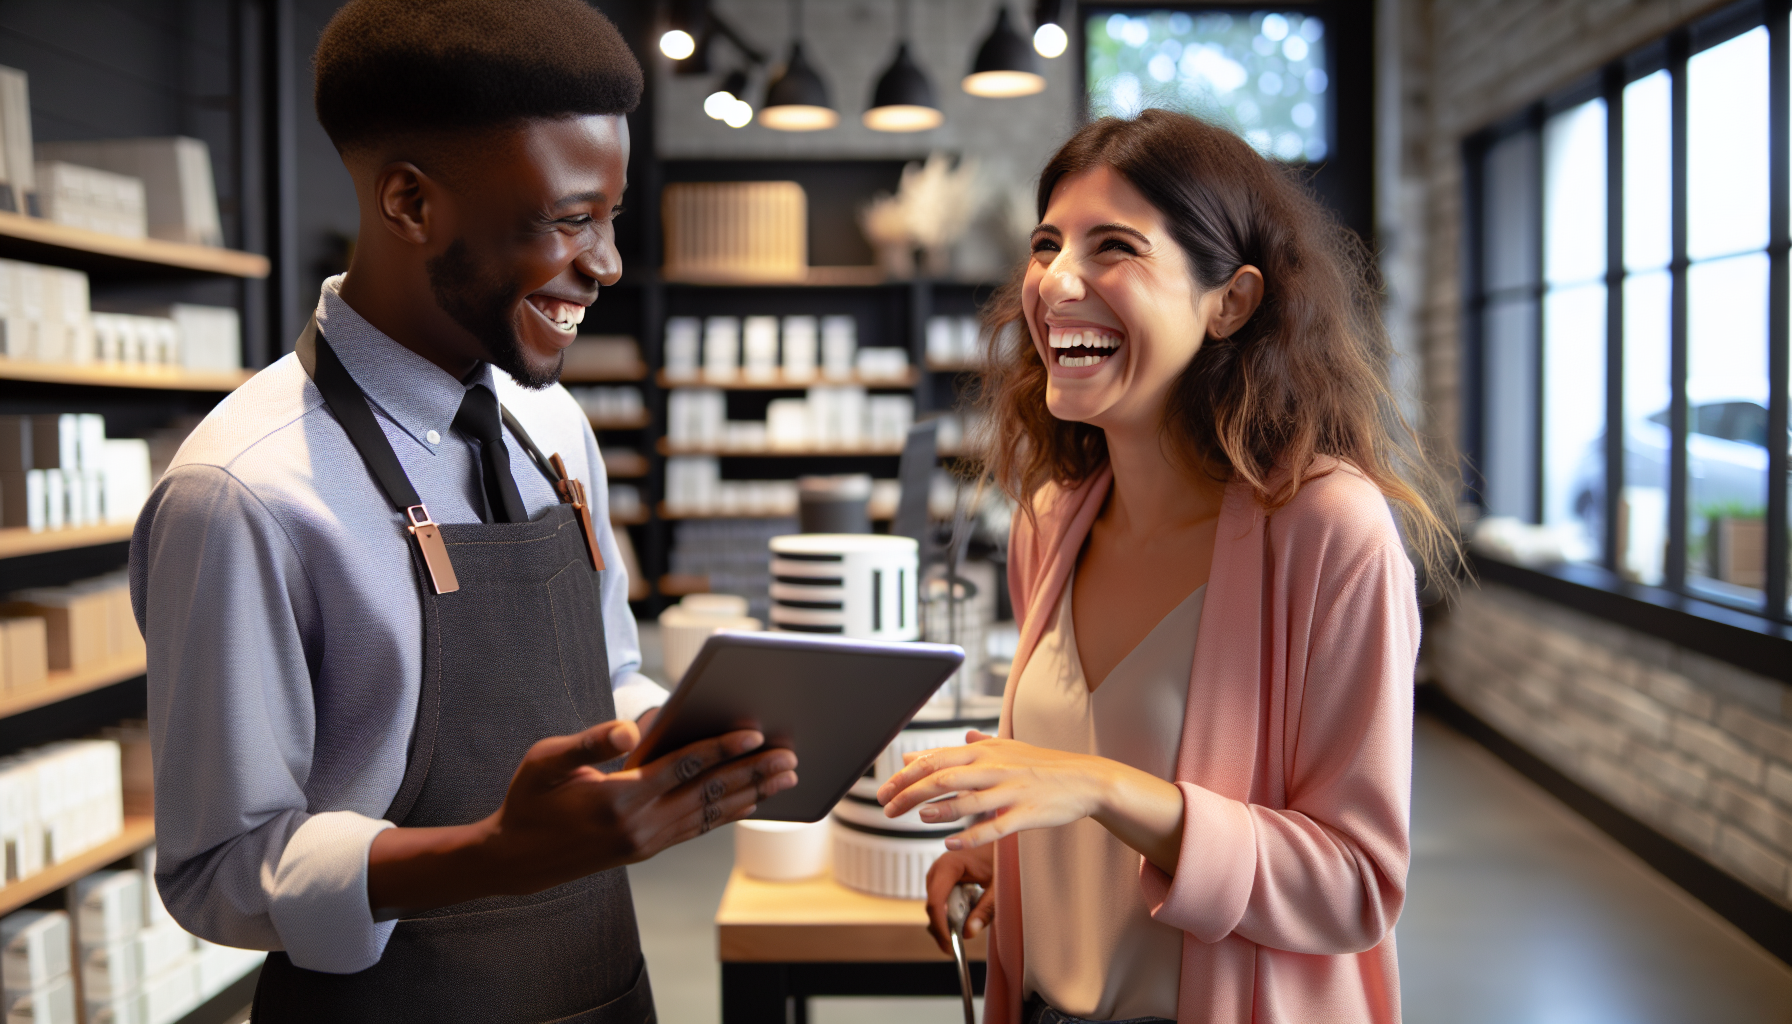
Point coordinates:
[(781, 851), (856, 585), (721, 347), (682, 347), (759, 347), (800, 347), (839, 346), (685, 625), (886, 856)]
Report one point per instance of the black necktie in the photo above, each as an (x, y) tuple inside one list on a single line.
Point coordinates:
[(478, 419)]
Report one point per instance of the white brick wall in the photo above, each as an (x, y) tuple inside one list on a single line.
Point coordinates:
[(1697, 749)]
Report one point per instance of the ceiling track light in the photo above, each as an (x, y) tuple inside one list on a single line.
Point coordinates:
[(684, 28), (1049, 37), (797, 99), (1005, 65), (903, 98)]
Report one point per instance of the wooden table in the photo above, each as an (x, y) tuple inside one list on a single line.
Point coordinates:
[(782, 942)]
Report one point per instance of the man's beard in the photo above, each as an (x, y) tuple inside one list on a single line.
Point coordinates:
[(482, 306)]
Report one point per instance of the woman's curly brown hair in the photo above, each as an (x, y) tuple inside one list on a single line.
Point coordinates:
[(1306, 376)]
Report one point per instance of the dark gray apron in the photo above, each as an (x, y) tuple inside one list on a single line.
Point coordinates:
[(514, 655)]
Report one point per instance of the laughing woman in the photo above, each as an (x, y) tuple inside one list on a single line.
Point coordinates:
[(1196, 808)]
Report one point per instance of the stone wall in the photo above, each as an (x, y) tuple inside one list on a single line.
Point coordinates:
[(1696, 748)]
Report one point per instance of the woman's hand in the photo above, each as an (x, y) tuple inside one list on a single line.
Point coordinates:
[(978, 866), (1022, 786)]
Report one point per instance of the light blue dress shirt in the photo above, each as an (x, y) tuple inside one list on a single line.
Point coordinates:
[(276, 591)]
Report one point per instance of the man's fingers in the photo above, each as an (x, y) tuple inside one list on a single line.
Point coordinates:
[(685, 764), (557, 756), (765, 774), (982, 915)]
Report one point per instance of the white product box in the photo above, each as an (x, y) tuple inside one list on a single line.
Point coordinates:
[(219, 967), (172, 994), (164, 946), (721, 347), (180, 196), (93, 199), (942, 340), (17, 160), (111, 971), (21, 834), (198, 337), (759, 347), (127, 1009), (799, 347), (108, 908), (34, 948), (683, 347), (787, 423), (125, 479), (54, 1003), (839, 346), (55, 515), (882, 363)]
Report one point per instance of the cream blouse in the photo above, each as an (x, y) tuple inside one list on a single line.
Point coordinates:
[(1092, 949)]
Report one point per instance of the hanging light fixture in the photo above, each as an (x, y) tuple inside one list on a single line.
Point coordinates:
[(903, 100), (797, 100), (1005, 65), (1049, 37), (726, 104), (679, 40)]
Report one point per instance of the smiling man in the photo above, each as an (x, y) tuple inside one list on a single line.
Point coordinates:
[(389, 641)]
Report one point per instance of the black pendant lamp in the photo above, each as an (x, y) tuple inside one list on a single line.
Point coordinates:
[(903, 100), (1006, 65), (797, 99)]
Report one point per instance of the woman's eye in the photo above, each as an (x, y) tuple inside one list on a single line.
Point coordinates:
[(1045, 245), (1116, 245)]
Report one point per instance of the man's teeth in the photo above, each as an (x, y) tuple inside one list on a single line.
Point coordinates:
[(1082, 338), (566, 315)]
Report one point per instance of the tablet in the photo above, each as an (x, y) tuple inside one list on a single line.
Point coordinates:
[(837, 703)]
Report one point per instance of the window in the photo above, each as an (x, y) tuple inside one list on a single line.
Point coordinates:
[(1265, 74), (1623, 316)]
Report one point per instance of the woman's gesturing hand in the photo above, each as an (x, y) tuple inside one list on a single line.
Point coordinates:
[(1020, 786)]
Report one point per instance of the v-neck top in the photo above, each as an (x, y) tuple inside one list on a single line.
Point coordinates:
[(1092, 948)]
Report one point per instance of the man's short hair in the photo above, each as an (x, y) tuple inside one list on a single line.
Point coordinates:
[(397, 67)]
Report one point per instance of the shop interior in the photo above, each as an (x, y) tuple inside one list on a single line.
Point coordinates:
[(1581, 215)]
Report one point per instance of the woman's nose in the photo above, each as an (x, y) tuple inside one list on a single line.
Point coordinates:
[(1062, 283)]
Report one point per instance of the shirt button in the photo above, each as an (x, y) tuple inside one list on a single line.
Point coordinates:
[(433, 437)]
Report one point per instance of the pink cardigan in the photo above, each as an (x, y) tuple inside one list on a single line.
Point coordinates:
[(1296, 756)]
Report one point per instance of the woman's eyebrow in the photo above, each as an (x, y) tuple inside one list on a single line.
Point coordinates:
[(1122, 228), (1047, 229)]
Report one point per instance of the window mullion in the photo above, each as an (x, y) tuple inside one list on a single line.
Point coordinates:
[(1779, 206), (1674, 572), (1539, 343), (1614, 314)]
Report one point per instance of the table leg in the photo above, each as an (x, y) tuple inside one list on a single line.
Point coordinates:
[(754, 993)]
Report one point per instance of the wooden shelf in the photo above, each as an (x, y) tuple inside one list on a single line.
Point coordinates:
[(628, 520), (625, 467), (102, 375), (63, 685), (863, 451), (678, 585), (740, 382), (934, 366), (16, 541), (621, 423), (618, 375), (880, 515), (139, 832), (43, 241), (813, 277)]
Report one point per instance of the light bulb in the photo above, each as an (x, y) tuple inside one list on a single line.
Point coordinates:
[(718, 104), (677, 44), (1050, 39), (739, 115)]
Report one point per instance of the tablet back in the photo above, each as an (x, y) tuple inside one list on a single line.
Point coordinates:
[(837, 703)]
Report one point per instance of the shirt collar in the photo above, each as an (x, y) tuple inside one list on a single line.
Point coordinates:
[(415, 393)]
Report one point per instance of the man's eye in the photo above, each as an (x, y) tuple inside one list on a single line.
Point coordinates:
[(577, 222), (617, 212)]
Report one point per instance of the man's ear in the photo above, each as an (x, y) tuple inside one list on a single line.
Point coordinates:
[(406, 200)]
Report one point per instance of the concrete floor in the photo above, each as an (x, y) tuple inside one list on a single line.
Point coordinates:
[(1519, 912)]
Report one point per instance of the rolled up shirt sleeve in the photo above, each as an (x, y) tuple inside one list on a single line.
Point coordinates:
[(229, 618)]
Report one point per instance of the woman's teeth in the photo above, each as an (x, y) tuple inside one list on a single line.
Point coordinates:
[(1094, 345), (565, 315)]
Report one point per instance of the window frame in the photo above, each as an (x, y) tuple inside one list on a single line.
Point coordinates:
[(1732, 630)]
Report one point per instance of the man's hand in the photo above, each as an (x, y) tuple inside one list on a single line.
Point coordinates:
[(564, 819)]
